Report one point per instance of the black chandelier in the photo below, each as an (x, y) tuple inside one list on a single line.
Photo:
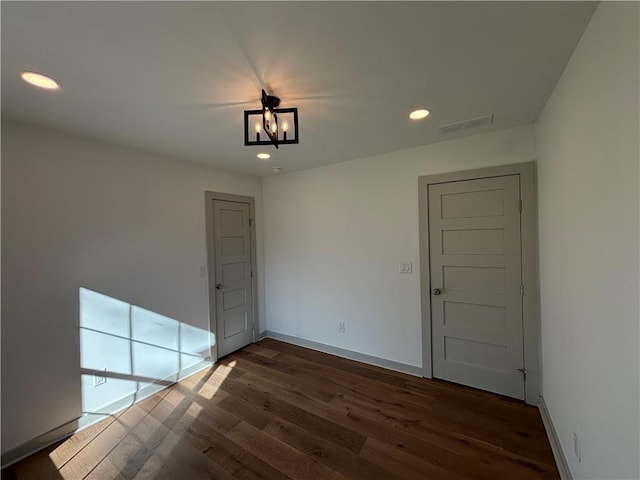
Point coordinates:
[(279, 125)]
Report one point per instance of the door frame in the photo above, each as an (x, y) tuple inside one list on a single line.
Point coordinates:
[(529, 241), (209, 197)]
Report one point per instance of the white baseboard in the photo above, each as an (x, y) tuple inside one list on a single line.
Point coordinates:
[(344, 353), (36, 444), (556, 447), (63, 431)]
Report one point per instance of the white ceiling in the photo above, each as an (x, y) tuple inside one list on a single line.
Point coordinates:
[(174, 77)]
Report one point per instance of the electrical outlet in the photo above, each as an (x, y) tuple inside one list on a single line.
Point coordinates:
[(340, 327), (576, 447), (406, 267), (100, 379)]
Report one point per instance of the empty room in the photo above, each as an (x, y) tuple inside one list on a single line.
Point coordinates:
[(320, 240)]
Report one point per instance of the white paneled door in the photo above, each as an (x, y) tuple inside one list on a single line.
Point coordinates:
[(233, 275), (476, 296)]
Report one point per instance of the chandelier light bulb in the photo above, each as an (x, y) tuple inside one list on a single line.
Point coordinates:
[(258, 127)]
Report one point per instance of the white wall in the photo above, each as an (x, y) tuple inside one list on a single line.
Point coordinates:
[(78, 213), (588, 153), (334, 237)]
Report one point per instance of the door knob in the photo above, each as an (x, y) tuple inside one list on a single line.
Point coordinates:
[(436, 291), (219, 286)]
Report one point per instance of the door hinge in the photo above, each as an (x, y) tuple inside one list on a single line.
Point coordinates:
[(250, 221), (522, 290), (524, 373), (251, 273), (520, 205)]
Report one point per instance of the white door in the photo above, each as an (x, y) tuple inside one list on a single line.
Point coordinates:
[(476, 302), (233, 276)]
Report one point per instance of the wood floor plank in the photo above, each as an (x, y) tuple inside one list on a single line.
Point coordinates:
[(347, 438), (412, 423), (202, 429), (280, 455), (389, 377), (187, 460), (286, 380), (165, 433), (408, 466), (259, 349), (511, 436), (378, 426), (303, 368), (86, 459), (357, 368), (287, 392), (208, 386), (297, 386), (127, 460), (471, 457), (233, 458), (248, 412), (337, 458), (483, 431), (279, 411), (458, 444), (83, 462), (105, 471), (208, 411), (148, 403), (165, 444), (38, 465), (67, 449)]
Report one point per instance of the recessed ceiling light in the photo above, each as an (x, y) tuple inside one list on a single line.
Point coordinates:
[(276, 169), (263, 156), (419, 114), (40, 80)]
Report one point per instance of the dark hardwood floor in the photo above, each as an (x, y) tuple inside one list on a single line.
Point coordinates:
[(277, 411)]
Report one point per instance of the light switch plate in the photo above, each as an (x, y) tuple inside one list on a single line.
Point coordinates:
[(202, 271)]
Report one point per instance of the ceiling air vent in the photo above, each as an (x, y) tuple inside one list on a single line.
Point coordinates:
[(463, 125)]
